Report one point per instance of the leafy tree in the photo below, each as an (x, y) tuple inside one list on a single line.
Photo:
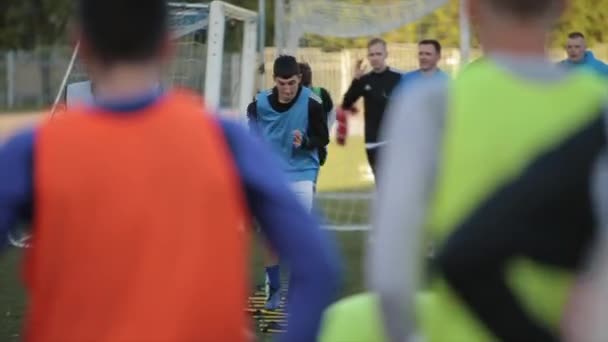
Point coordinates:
[(587, 16), (26, 24)]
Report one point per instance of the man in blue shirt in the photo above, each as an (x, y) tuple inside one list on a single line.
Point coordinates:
[(429, 54), (290, 118), (580, 57)]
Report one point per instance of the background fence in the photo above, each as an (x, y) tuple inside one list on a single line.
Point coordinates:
[(30, 79)]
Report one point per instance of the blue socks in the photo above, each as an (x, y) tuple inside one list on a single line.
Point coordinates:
[(273, 276)]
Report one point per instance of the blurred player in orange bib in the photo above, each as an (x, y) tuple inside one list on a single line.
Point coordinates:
[(140, 202)]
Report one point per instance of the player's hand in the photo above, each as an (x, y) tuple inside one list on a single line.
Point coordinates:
[(360, 69), (342, 126), (297, 138)]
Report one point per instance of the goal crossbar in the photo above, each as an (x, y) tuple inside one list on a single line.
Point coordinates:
[(218, 11)]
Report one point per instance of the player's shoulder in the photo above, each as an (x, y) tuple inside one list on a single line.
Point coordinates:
[(19, 144), (395, 75), (313, 97), (395, 71), (253, 103), (260, 94), (366, 76), (410, 73), (265, 92), (603, 68), (408, 76), (324, 93), (315, 103)]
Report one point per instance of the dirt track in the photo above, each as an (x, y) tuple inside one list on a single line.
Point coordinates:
[(11, 122)]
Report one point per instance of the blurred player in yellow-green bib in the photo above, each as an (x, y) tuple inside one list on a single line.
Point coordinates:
[(454, 150)]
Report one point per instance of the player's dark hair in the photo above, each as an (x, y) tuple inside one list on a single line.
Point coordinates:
[(375, 41), (573, 35), (306, 72), (124, 30), (285, 66), (528, 9), (433, 42)]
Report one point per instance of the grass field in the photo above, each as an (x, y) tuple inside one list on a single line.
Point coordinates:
[(346, 168), (13, 298)]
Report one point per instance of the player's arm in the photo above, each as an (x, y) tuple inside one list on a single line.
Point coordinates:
[(328, 103), (317, 135), (252, 116), (292, 232), (604, 69), (354, 92), (407, 168), (16, 162), (328, 108)]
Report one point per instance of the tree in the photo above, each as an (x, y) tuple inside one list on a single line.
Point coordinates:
[(26, 24), (587, 16)]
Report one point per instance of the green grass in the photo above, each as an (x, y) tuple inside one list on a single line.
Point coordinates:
[(350, 246), (346, 168), (12, 296), (345, 184), (13, 299)]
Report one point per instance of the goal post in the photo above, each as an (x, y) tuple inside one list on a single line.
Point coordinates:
[(220, 10)]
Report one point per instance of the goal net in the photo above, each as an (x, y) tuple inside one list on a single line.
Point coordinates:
[(215, 55), (346, 183)]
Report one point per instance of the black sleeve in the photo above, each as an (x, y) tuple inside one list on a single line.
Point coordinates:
[(252, 111), (318, 134), (354, 92), (252, 115), (328, 103), (545, 214)]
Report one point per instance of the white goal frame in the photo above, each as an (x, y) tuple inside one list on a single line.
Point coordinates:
[(218, 12), (215, 24)]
